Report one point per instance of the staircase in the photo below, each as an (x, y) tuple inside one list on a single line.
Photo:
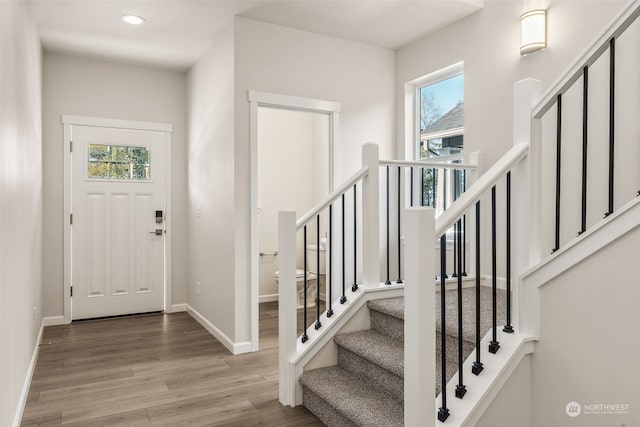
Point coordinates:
[(366, 387)]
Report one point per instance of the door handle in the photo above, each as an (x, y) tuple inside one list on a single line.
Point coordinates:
[(158, 232)]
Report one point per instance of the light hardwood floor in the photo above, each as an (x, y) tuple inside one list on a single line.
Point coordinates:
[(157, 370)]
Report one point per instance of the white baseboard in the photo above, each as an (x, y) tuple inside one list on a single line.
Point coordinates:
[(53, 321), (22, 402), (242, 347), (177, 308), (233, 347), (268, 298)]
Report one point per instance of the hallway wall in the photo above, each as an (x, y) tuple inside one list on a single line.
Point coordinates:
[(264, 57), (211, 216), (90, 87), (20, 203)]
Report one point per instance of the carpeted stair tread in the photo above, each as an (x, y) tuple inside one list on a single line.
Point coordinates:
[(354, 397), (390, 306), (375, 347), (469, 310)]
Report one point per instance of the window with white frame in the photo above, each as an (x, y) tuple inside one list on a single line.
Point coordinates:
[(440, 117)]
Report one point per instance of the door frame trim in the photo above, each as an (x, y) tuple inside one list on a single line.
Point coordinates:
[(68, 122), (286, 102)]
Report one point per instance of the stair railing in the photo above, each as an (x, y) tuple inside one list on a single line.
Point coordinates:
[(356, 202), (575, 76), (489, 194), (575, 94), (349, 217), (435, 182)]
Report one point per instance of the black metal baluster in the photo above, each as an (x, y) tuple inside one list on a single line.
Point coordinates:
[(421, 186), (461, 389), (477, 365), (343, 297), (558, 170), (443, 412), (494, 345), (330, 269), (354, 287), (455, 228), (508, 328), (585, 110), (305, 337), (388, 282), (612, 98), (399, 243), (411, 190), (318, 324), (434, 175), (444, 189), (464, 227)]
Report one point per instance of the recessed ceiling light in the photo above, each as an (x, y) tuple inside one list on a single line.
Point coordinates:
[(133, 19)]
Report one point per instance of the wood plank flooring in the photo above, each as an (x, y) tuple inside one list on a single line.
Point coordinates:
[(160, 370)]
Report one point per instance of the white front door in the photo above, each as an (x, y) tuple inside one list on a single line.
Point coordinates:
[(118, 208)]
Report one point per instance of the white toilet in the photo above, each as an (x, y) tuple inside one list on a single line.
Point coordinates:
[(312, 263), (311, 287)]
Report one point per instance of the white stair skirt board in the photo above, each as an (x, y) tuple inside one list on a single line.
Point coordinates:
[(483, 388), (233, 347), (625, 219)]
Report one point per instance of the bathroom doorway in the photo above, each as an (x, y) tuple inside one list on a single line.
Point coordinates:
[(292, 147)]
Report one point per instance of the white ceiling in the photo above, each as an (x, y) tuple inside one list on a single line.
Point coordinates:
[(177, 32)]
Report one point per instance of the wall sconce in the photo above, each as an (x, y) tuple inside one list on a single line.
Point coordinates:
[(533, 25)]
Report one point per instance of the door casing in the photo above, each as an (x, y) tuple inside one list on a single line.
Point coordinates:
[(264, 99), (68, 122)]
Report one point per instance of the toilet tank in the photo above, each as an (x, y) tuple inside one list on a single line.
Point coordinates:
[(312, 259)]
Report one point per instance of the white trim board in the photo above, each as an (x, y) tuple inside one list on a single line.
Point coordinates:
[(233, 347), (68, 122), (116, 123), (268, 298), (177, 308), (53, 321), (22, 402), (579, 249), (264, 99)]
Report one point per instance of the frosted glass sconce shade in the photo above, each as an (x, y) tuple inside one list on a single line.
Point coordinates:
[(533, 25)]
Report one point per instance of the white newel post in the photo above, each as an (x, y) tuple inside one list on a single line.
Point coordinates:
[(371, 216), (287, 315), (525, 193), (419, 318)]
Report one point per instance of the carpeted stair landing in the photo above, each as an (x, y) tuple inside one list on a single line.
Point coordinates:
[(366, 387)]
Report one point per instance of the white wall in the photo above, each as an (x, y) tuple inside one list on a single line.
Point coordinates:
[(211, 185), (88, 87), (20, 203), (489, 44), (588, 348), (269, 58)]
